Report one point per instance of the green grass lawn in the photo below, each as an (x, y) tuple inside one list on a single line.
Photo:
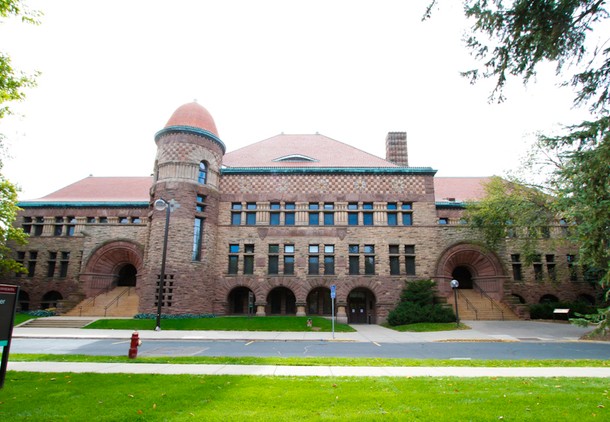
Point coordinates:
[(21, 318), (310, 361), (131, 397), (279, 323)]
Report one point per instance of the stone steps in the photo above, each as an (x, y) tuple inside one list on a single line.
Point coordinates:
[(126, 306), (484, 310), (57, 322)]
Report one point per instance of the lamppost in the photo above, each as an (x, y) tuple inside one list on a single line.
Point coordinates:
[(454, 285), (160, 205)]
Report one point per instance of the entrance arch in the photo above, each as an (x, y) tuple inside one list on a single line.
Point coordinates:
[(50, 299), (239, 299), (361, 306), (463, 275), (127, 275), (466, 259), (281, 301), (319, 302)]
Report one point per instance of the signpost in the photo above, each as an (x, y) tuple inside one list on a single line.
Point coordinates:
[(8, 304), (333, 295)]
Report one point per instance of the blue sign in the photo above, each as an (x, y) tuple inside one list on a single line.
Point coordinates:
[(333, 291)]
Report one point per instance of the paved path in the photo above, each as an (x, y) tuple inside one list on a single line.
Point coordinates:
[(480, 331), (319, 371)]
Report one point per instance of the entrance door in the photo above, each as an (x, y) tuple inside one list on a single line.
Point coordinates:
[(361, 307)]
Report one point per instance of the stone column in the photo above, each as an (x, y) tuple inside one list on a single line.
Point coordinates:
[(260, 310), (301, 308), (341, 314)]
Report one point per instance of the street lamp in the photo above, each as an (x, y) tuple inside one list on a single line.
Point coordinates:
[(160, 205), (454, 285)]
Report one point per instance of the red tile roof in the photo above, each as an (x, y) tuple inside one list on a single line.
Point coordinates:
[(459, 189), (193, 115), (322, 150), (103, 189)]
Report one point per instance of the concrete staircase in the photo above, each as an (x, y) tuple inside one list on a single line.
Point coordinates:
[(57, 322), (470, 300), (118, 302)]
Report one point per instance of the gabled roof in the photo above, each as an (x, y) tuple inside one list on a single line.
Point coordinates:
[(317, 150), (100, 190), (459, 189)]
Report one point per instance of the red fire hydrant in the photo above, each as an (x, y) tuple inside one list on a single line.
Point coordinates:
[(135, 343)]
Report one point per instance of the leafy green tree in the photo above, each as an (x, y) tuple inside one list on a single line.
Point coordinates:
[(512, 38), (12, 86)]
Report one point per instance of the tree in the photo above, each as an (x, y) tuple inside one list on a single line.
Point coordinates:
[(12, 85), (512, 38)]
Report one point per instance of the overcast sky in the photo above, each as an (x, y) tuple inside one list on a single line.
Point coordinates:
[(113, 72)]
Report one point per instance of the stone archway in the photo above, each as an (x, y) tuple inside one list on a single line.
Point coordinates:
[(465, 259), (281, 301), (114, 263), (319, 301), (239, 301)]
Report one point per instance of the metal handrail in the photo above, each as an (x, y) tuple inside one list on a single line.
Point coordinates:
[(493, 302), (91, 301), (116, 299), (469, 304)]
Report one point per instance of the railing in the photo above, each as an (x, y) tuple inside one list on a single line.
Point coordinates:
[(491, 301), (115, 301), (91, 301), (469, 304)]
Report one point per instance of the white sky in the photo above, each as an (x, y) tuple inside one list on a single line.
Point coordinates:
[(113, 72)]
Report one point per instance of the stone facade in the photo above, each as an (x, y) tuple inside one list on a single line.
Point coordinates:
[(272, 238)]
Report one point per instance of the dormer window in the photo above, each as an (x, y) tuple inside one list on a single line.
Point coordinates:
[(295, 158)]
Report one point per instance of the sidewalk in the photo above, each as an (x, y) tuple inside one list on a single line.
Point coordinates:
[(480, 331)]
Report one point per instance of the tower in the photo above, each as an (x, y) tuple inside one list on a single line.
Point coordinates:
[(186, 174)]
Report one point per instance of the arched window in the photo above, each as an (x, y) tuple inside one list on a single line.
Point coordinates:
[(203, 172)]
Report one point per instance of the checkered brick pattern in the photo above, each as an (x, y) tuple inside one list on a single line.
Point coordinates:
[(176, 149), (315, 184)]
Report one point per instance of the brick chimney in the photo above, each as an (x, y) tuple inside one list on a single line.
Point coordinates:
[(396, 148)]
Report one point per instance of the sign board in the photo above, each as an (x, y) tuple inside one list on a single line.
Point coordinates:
[(8, 304), (333, 291)]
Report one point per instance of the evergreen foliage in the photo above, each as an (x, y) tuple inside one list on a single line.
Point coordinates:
[(417, 305)]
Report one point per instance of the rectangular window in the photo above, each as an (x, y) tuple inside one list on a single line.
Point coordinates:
[(538, 268), (314, 265), (248, 264), (407, 215), (352, 218), (274, 206), (289, 219), (273, 266), (410, 259), (251, 218), (392, 219), (32, 263), (123, 220), (103, 220), (367, 218), (329, 219), (443, 221), (51, 264), (394, 250), (354, 265), (369, 259), (516, 263), (314, 215), (27, 225), (367, 206), (571, 259), (288, 264), (329, 259), (274, 218), (63, 265), (550, 267), (197, 239), (58, 228), (233, 258), (236, 218), (200, 206), (39, 225)]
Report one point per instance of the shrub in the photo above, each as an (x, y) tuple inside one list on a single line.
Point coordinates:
[(41, 313), (545, 310), (417, 305)]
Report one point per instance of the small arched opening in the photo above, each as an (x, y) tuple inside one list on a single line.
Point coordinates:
[(518, 298), (319, 302), (464, 276), (241, 300), (50, 299), (548, 299), (127, 276), (281, 301), (585, 298), (24, 301), (361, 306)]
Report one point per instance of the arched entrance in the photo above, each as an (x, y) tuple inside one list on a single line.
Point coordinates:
[(127, 275), (473, 266), (50, 299), (239, 300), (24, 301), (281, 301), (319, 302), (361, 306), (463, 275)]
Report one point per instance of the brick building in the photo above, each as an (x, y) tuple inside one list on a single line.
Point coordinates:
[(270, 227)]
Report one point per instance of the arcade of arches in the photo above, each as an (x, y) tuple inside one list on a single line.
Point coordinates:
[(361, 303)]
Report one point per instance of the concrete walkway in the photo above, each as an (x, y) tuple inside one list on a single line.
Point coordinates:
[(480, 331)]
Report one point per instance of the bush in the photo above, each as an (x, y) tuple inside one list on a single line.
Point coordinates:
[(545, 310), (41, 313), (417, 305)]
